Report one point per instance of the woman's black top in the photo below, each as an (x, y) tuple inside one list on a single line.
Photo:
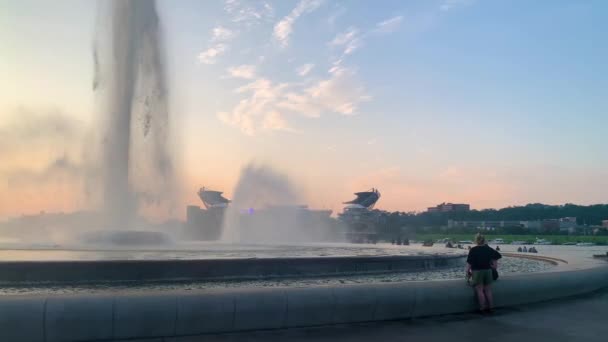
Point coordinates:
[(480, 257)]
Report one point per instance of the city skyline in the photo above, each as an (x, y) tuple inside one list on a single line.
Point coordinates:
[(462, 101)]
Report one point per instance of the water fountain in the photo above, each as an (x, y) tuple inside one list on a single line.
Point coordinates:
[(130, 83), (137, 169)]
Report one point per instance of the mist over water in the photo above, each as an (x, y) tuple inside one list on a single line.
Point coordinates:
[(130, 83), (258, 187), (266, 209)]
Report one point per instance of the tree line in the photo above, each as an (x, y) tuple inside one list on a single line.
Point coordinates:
[(585, 215)]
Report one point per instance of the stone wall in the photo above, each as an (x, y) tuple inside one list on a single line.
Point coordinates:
[(249, 268), (165, 314)]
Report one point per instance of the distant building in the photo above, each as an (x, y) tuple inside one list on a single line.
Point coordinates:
[(550, 225), (532, 225), (360, 217), (203, 224), (568, 224), (206, 224), (564, 224), (484, 224), (449, 207)]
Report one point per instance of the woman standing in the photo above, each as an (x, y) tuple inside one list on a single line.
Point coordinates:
[(480, 262)]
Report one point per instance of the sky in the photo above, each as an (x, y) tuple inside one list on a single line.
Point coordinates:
[(492, 103)]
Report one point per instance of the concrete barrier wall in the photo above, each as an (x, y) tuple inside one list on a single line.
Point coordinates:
[(170, 270), (166, 314)]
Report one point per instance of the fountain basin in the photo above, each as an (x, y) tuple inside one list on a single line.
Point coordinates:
[(96, 271), (173, 314)]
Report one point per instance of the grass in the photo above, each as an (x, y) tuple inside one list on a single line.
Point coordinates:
[(529, 239)]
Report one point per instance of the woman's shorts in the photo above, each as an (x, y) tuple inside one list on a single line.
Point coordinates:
[(482, 277)]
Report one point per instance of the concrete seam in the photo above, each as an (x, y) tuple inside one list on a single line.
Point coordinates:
[(44, 319), (113, 316), (413, 314), (286, 316), (176, 316), (375, 292), (333, 306), (234, 312)]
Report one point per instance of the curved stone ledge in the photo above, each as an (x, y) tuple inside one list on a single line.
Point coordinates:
[(99, 271), (162, 314), (551, 260)]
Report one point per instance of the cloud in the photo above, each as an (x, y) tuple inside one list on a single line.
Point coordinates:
[(248, 14), (340, 93), (274, 121), (210, 55), (242, 71), (243, 16), (303, 70), (350, 40), (219, 37), (220, 34), (389, 25), (267, 104), (300, 102), (250, 112), (447, 5), (284, 28)]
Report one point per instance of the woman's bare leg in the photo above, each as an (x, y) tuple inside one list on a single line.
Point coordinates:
[(481, 298), (487, 290)]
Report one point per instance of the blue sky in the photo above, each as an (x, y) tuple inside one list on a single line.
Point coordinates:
[(488, 102)]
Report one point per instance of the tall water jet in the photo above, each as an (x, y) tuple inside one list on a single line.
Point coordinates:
[(130, 82)]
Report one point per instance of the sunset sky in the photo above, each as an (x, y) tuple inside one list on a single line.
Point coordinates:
[(492, 103)]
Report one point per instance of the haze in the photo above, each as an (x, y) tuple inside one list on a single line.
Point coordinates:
[(483, 102)]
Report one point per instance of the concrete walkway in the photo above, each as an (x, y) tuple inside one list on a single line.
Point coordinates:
[(577, 319)]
